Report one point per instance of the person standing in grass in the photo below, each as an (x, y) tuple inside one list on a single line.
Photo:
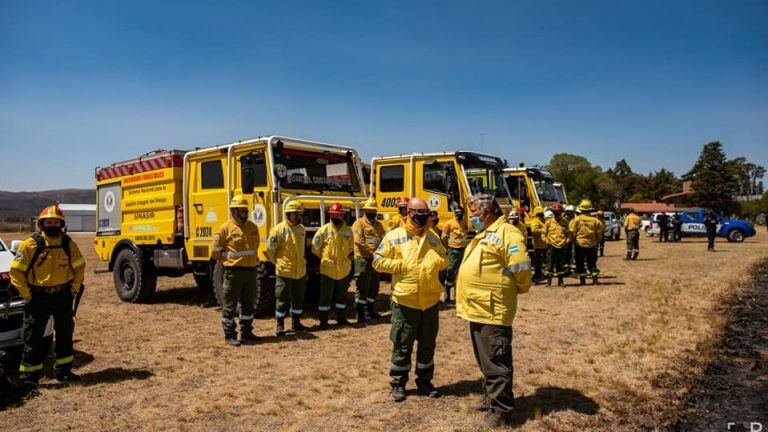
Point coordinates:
[(454, 236), (415, 256), (494, 270), (632, 226)]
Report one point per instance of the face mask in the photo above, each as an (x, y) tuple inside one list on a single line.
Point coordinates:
[(371, 216), (420, 219), (337, 222), (477, 223), (52, 231), (241, 216)]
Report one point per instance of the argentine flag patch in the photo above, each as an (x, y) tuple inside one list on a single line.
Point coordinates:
[(514, 249)]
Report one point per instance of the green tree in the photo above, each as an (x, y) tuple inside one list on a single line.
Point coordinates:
[(661, 183), (577, 174), (715, 182)]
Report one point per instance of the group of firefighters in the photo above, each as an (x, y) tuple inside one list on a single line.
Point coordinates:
[(487, 272)]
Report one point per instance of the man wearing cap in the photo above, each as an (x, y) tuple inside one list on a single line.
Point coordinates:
[(516, 221), (367, 233), (539, 244), (454, 237), (557, 236), (414, 256), (402, 214), (48, 272), (632, 225), (333, 244), (286, 251), (586, 232), (235, 247)]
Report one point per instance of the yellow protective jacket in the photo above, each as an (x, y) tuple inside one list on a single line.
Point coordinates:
[(415, 260), (633, 222), (556, 231), (367, 236), (494, 270), (396, 221), (586, 230), (286, 250), (537, 232), (237, 245), (334, 246), (520, 225), (52, 268), (455, 234)]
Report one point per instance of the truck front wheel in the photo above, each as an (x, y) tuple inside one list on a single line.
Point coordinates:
[(135, 280)]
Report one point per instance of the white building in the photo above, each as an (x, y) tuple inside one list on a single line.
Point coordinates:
[(80, 217)]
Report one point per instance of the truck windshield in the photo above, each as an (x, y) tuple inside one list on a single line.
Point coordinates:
[(546, 190), (560, 193), (302, 169), (486, 180)]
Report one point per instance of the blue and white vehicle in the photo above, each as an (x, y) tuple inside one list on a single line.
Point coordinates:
[(693, 225)]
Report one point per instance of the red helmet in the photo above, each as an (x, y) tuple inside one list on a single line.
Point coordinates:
[(402, 202), (557, 207), (336, 209)]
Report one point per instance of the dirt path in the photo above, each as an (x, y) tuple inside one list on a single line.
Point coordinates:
[(610, 357)]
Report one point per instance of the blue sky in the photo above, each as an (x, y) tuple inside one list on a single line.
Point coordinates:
[(91, 82)]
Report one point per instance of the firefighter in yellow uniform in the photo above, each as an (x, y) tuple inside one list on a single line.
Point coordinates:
[(367, 233), (494, 270), (333, 244), (516, 221), (402, 214), (48, 272), (601, 247), (539, 244), (586, 233), (286, 251), (454, 236), (632, 225), (414, 256), (236, 246), (557, 236)]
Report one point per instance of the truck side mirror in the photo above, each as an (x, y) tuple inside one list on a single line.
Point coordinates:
[(15, 245), (247, 177)]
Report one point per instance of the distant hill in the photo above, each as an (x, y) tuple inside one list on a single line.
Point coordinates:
[(27, 204)]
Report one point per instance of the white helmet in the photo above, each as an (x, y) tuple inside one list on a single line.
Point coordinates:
[(549, 214), (570, 208)]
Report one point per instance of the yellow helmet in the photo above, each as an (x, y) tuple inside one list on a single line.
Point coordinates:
[(585, 205), (293, 207), (51, 212), (238, 201), (538, 210), (370, 204)]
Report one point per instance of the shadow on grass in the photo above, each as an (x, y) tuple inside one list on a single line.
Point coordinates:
[(105, 376), (543, 402), (187, 296)]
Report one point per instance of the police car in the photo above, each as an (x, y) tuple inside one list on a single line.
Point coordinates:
[(693, 225), (11, 304)]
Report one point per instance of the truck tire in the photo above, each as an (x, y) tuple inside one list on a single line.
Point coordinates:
[(204, 281), (736, 236), (135, 281), (265, 289)]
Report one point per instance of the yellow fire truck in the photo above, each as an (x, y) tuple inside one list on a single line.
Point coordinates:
[(443, 180), (533, 186), (157, 214)]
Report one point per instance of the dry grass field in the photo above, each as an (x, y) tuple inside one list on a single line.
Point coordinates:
[(618, 356)]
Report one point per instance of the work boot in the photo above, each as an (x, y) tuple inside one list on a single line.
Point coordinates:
[(595, 280), (360, 309), (280, 329), (628, 257), (372, 314), (482, 405), (341, 317), (428, 390), (549, 281), (231, 340), (582, 280), (296, 324), (560, 281), (634, 255), (492, 419), (323, 315), (398, 393), (65, 375), (447, 299), (248, 337), (31, 379)]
